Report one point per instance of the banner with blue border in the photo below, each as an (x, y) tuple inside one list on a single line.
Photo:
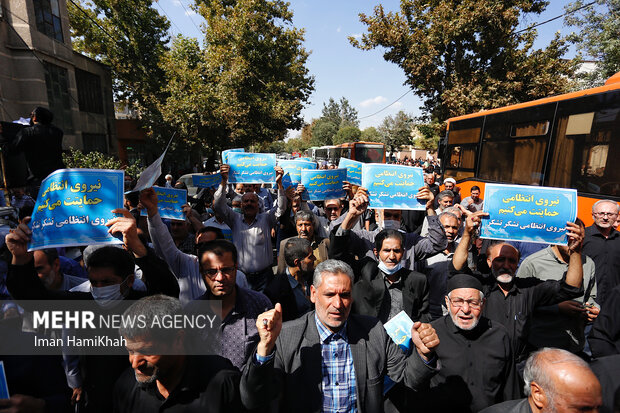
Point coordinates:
[(294, 168), (354, 170), (207, 181), (73, 207), (170, 202), (324, 184), (227, 151), (528, 213), (393, 186), (251, 168)]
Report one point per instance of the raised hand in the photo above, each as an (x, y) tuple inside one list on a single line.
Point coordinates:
[(148, 199), (17, 242), (269, 325), (576, 233), (473, 221), (224, 169), (425, 339), (126, 225)]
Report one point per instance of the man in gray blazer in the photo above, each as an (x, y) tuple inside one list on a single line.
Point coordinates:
[(328, 360)]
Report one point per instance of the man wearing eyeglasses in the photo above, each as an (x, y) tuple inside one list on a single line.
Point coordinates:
[(235, 307), (477, 368), (602, 244)]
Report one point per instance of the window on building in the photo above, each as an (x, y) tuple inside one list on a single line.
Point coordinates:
[(48, 18), (89, 91), (95, 142), (56, 81)]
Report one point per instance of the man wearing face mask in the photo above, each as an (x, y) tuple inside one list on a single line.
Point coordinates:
[(362, 242), (111, 274), (385, 287)]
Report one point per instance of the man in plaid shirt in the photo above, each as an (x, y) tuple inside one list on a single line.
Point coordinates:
[(329, 360)]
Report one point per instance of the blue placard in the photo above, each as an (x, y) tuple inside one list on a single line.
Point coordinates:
[(170, 202), (354, 170), (528, 213), (251, 168), (207, 181), (399, 330), (4, 387), (305, 158), (324, 184), (227, 151), (294, 168), (393, 186), (73, 207), (286, 181)]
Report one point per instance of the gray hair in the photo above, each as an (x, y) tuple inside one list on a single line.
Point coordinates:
[(538, 366), (445, 193), (151, 308), (449, 214), (331, 267), (602, 201)]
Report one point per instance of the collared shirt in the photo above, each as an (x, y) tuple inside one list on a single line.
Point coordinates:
[(393, 306), (605, 252), (339, 386), (253, 241), (549, 327), (481, 360), (436, 270), (237, 333), (301, 299)]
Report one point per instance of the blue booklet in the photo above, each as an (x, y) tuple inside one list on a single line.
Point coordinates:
[(4, 387), (399, 330)]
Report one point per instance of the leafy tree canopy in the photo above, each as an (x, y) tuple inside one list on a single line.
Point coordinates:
[(461, 56), (347, 134), (341, 114), (597, 37), (396, 131)]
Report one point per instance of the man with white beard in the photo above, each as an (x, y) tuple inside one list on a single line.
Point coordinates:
[(477, 367), (511, 301)]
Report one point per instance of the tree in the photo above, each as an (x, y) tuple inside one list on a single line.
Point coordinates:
[(597, 38), (323, 132), (97, 160), (341, 114), (128, 36), (396, 131), (462, 56), (371, 134), (347, 134), (426, 136), (248, 84)]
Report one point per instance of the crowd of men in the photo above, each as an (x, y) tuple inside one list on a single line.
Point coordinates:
[(301, 292)]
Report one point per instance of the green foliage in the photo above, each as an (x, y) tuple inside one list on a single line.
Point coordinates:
[(341, 114), (427, 136), (249, 82), (133, 49), (371, 134), (97, 160), (323, 132), (296, 145), (597, 38), (461, 56), (347, 134), (396, 131)]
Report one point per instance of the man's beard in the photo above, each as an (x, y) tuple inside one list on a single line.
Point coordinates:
[(456, 322), (504, 277), (144, 379)]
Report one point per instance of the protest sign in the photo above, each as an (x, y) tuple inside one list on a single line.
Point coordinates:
[(324, 184), (152, 172), (251, 168), (354, 170), (528, 213), (207, 181), (170, 202), (307, 159), (393, 186), (294, 168), (286, 181), (73, 207), (227, 151), (4, 387)]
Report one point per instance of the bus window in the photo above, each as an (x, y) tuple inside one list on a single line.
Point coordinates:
[(471, 135), (462, 157), (587, 145), (523, 130), (369, 153), (517, 161)]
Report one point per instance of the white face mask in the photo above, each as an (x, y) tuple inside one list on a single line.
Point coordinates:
[(387, 270), (107, 297), (390, 224)]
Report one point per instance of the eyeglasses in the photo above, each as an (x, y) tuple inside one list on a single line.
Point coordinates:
[(606, 214), (212, 272), (459, 302)]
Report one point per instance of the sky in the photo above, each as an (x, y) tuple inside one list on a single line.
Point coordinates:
[(369, 83)]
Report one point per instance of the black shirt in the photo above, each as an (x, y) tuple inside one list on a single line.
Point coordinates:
[(515, 309), (477, 367), (605, 252), (209, 384), (604, 338)]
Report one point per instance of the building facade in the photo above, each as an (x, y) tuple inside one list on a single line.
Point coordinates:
[(38, 67)]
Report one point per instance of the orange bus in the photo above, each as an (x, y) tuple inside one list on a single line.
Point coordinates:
[(367, 152), (567, 141)]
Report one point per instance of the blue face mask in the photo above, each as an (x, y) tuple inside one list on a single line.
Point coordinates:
[(237, 209), (390, 271), (210, 211)]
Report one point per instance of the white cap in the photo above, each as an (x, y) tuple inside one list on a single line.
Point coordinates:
[(449, 180)]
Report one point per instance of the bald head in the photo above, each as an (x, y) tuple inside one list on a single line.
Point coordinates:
[(559, 381)]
